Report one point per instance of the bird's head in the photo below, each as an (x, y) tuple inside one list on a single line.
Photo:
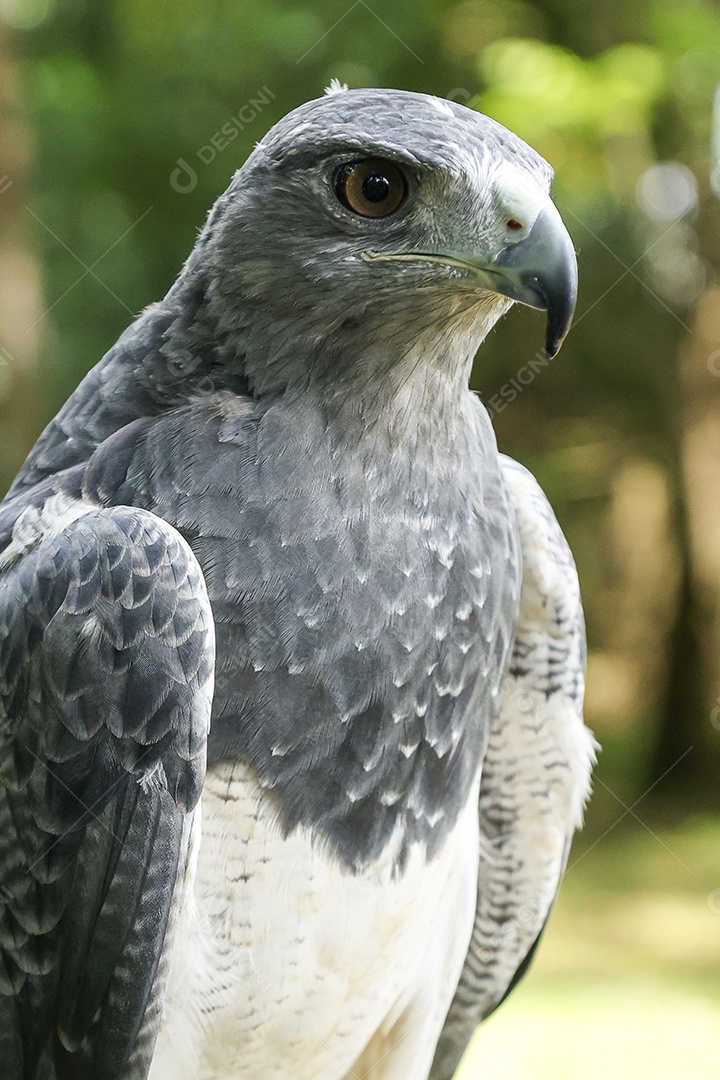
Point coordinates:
[(369, 221)]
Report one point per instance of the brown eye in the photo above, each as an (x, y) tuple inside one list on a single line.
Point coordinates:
[(373, 188)]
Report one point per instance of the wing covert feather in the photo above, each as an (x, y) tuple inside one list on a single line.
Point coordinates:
[(106, 672)]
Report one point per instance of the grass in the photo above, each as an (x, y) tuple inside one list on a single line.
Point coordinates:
[(627, 981)]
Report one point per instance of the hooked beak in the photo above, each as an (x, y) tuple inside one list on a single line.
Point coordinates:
[(538, 268), (541, 271)]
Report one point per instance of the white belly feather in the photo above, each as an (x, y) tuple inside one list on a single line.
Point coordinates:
[(287, 966)]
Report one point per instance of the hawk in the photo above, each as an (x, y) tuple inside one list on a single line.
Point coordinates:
[(291, 658)]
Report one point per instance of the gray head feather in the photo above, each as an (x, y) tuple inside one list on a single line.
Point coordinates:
[(284, 258)]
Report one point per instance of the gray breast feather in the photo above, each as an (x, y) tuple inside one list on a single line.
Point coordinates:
[(536, 773), (362, 638), (106, 661)]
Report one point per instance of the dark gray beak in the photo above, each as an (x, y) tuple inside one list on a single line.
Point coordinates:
[(541, 271)]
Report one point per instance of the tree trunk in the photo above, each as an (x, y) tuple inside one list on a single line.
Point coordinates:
[(689, 732)]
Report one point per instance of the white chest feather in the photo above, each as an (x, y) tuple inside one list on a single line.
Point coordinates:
[(285, 965)]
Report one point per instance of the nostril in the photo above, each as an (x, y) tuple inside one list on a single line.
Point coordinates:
[(514, 224)]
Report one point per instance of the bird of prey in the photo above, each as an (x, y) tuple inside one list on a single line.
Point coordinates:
[(291, 659)]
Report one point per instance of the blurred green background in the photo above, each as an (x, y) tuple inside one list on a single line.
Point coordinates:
[(120, 122)]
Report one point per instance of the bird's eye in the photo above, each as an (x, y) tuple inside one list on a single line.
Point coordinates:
[(372, 188)]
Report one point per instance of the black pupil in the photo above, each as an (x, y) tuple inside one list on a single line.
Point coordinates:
[(376, 187)]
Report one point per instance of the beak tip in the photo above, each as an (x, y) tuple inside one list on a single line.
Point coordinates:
[(554, 340), (555, 334), (560, 305), (541, 271)]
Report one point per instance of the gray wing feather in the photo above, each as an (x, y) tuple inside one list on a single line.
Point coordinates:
[(536, 774), (106, 663)]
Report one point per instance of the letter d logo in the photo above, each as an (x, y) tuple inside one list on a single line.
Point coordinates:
[(184, 178)]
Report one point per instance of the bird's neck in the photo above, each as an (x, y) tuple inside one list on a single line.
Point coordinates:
[(383, 372), (402, 398)]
